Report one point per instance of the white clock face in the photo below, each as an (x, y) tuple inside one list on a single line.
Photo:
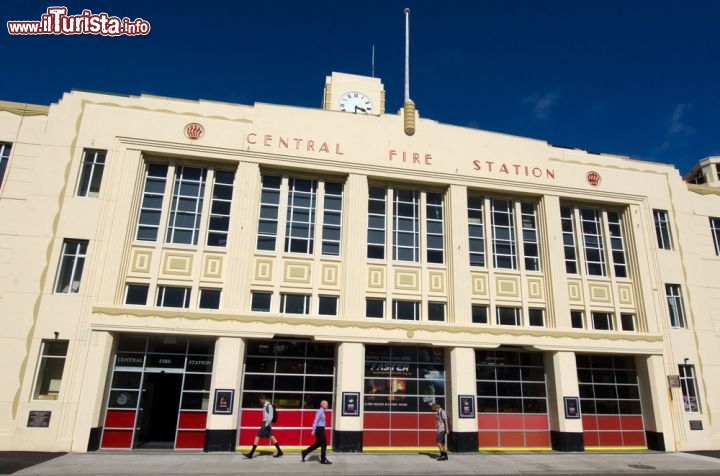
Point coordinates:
[(356, 102)]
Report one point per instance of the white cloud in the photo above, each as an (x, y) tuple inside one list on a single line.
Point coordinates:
[(541, 105)]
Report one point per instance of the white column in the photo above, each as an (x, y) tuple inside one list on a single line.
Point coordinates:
[(227, 374), (562, 382), (350, 377), (90, 403)]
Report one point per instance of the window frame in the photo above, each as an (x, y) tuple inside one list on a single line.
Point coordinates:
[(375, 301), (516, 316), (533, 313), (436, 311), (715, 231), (254, 304), (478, 307), (91, 173), (5, 151), (164, 292), (399, 310), (676, 306), (214, 294), (45, 359), (598, 317), (137, 286), (323, 301), (689, 388), (476, 230), (662, 229), (76, 261), (287, 299)]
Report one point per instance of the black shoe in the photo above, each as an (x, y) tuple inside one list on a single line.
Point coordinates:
[(324, 461), (278, 454), (442, 458), (247, 455), (303, 455)]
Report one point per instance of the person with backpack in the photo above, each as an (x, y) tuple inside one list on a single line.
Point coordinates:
[(442, 430), (318, 429), (269, 417)]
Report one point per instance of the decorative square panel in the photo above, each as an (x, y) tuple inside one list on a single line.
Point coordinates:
[(297, 272), (436, 281), (536, 289), (479, 285), (212, 266), (507, 286), (407, 280), (176, 263), (600, 293), (140, 261), (376, 278), (625, 295), (575, 294), (330, 272), (263, 269)]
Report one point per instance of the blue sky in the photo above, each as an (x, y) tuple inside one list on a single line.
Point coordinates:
[(629, 77)]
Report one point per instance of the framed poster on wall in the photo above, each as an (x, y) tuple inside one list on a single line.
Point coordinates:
[(466, 404), (351, 404), (223, 401), (572, 407)]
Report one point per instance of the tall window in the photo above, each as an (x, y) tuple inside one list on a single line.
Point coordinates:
[(376, 223), (434, 228), (71, 266), (50, 369), (715, 229), (220, 208), (662, 229), (689, 388), (186, 206), (476, 231), (184, 214), (406, 225), (91, 173), (332, 218), (617, 244), (307, 200), (300, 219), (530, 236), (412, 214), (597, 230), (269, 212), (675, 305), (568, 231), (503, 234), (152, 202), (593, 242), (5, 149)]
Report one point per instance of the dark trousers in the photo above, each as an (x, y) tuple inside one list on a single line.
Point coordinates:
[(320, 442)]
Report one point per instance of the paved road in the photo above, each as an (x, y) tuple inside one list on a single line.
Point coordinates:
[(351, 464)]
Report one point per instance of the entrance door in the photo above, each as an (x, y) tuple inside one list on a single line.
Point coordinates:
[(158, 412)]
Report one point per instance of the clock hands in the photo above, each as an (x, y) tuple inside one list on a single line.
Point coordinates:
[(358, 108)]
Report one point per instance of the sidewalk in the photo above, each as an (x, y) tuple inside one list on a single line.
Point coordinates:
[(491, 463)]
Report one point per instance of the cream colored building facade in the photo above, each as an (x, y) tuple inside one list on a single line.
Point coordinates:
[(167, 261)]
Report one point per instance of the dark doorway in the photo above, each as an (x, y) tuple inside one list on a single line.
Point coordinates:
[(158, 413)]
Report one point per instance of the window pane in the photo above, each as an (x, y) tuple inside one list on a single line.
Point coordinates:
[(136, 294), (260, 302), (209, 299)]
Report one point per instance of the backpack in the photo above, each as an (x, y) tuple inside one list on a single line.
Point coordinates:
[(274, 414)]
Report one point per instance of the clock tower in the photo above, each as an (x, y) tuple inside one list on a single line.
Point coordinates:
[(354, 94)]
